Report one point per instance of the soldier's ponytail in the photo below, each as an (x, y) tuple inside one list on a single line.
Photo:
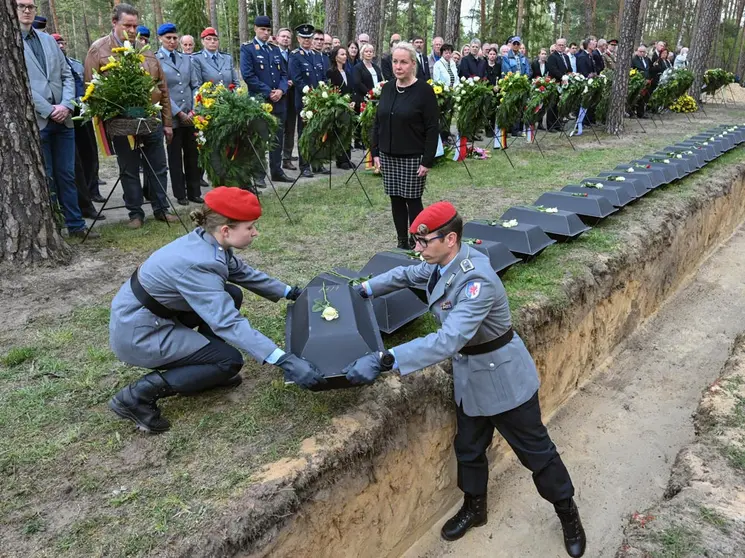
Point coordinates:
[(210, 220)]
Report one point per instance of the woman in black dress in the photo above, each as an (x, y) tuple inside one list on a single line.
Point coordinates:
[(404, 139), (339, 78)]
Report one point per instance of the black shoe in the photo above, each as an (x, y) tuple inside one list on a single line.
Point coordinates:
[(553, 131), (281, 178), (541, 127), (259, 183), (89, 214), (136, 402), (293, 158), (233, 382), (306, 173), (344, 166), (322, 170), (287, 165), (471, 514), (198, 199), (574, 535), (80, 233), (403, 243), (203, 183), (478, 138), (102, 182), (98, 198), (182, 201)]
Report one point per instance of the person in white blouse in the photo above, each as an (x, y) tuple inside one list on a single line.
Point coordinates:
[(681, 61), (445, 70)]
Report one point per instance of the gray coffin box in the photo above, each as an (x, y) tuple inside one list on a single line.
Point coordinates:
[(737, 132), (389, 259), (697, 157), (640, 180), (524, 240), (671, 171), (332, 345), (633, 188), (709, 151), (590, 208), (686, 164), (656, 176), (617, 195), (499, 255), (719, 143), (562, 225), (728, 139)]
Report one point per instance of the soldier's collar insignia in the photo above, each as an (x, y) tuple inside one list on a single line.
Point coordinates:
[(466, 265), (256, 46)]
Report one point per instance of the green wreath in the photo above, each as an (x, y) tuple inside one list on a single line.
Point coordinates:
[(327, 115)]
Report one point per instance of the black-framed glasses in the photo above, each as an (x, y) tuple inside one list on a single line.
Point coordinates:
[(25, 7), (425, 241)]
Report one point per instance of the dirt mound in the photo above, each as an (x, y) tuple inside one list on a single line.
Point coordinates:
[(703, 513)]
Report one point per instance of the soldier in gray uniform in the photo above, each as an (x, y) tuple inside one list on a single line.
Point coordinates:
[(183, 286), (495, 378), (212, 65), (182, 86)]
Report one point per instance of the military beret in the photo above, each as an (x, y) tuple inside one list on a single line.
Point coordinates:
[(40, 22), (433, 217), (305, 30), (143, 31), (57, 37), (166, 28), (233, 203), (207, 32), (262, 21)]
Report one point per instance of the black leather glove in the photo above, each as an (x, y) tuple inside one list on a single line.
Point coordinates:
[(294, 293), (360, 290), (304, 373), (367, 368)]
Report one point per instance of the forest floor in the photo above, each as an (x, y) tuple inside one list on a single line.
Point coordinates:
[(77, 482)]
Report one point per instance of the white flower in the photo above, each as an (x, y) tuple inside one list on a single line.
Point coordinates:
[(630, 169), (689, 152), (509, 224), (127, 45), (552, 210), (308, 115), (158, 106), (469, 81), (330, 313), (620, 178), (705, 143), (325, 95), (666, 161), (322, 85), (462, 79), (565, 78), (476, 78), (589, 81), (679, 156), (585, 90), (306, 89), (446, 88)]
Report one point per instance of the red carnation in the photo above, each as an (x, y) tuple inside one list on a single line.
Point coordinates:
[(649, 166), (478, 241), (231, 86), (541, 89), (363, 106), (371, 93)]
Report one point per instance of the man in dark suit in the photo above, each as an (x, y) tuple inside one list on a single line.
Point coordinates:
[(558, 66), (471, 64), (422, 65), (597, 53), (284, 40), (641, 63), (386, 65), (263, 71), (585, 62), (658, 47)]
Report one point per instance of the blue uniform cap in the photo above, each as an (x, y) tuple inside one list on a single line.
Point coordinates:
[(166, 28), (143, 31), (516, 39), (40, 22), (305, 30), (262, 21)]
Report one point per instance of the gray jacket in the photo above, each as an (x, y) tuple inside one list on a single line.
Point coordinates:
[(52, 85), (470, 303), (221, 71), (188, 274), (181, 81)]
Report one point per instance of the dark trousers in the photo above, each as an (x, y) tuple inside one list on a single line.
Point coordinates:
[(210, 366), (301, 162), (527, 436), (182, 163), (405, 210), (85, 143), (552, 117), (275, 155), (288, 142), (129, 161), (82, 185)]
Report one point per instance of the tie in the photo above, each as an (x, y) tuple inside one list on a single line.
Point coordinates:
[(564, 59), (214, 60), (433, 279), (450, 73), (173, 58), (284, 55)]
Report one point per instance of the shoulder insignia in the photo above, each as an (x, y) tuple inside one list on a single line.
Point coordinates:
[(473, 288), (256, 47), (466, 265)]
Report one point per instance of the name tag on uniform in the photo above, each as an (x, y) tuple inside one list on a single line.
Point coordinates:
[(447, 305)]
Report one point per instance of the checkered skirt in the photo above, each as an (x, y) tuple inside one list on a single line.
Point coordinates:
[(399, 176)]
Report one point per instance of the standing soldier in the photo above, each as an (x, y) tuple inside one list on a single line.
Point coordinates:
[(303, 74), (263, 71), (182, 86), (496, 382), (320, 59), (184, 286), (212, 65)]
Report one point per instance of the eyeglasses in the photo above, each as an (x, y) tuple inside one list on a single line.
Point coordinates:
[(25, 7), (425, 241)]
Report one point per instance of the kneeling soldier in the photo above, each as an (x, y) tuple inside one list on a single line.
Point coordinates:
[(496, 382)]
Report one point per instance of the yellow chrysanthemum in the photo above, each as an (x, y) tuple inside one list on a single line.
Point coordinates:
[(208, 103), (117, 50), (437, 89), (88, 92), (140, 57), (267, 107)]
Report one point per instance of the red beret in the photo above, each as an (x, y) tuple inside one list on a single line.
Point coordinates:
[(233, 203), (433, 217), (56, 36), (209, 31)]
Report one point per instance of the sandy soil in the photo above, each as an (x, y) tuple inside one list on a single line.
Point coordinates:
[(620, 434)]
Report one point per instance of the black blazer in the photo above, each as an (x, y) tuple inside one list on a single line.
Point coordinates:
[(423, 72), (585, 64), (658, 67), (535, 67), (557, 67), (493, 73), (363, 81), (337, 80), (638, 63), (386, 66), (471, 66), (597, 58)]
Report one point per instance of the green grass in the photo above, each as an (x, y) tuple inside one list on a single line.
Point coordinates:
[(677, 541), (713, 518), (133, 493)]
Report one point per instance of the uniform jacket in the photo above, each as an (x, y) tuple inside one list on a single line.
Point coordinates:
[(302, 73), (78, 71), (470, 303), (182, 85), (386, 66), (51, 85), (188, 274), (422, 67), (220, 71), (263, 70), (321, 63), (98, 56), (558, 65), (609, 60)]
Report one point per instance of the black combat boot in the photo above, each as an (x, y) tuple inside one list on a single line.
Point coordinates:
[(136, 402), (403, 242), (574, 534), (471, 514)]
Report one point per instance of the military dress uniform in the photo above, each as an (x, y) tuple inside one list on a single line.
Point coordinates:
[(216, 67), (263, 71), (495, 379), (183, 156)]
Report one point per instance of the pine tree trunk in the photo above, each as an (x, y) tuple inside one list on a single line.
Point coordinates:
[(520, 13), (52, 22), (640, 24), (496, 13), (452, 27), (212, 11), (28, 233), (158, 11), (703, 35), (588, 16), (243, 33), (276, 17), (332, 17), (482, 22), (381, 28), (368, 14), (441, 17), (344, 27), (410, 29), (87, 32), (737, 17), (626, 48)]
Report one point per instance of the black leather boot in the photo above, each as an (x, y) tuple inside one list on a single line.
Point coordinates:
[(574, 535), (403, 242), (136, 402), (471, 514)]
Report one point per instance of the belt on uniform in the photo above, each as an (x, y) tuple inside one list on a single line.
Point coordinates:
[(148, 301), (489, 346)]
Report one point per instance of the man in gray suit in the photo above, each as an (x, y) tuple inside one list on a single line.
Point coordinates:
[(495, 378), (182, 86), (53, 92), (212, 65)]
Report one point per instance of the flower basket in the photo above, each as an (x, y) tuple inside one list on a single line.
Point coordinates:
[(123, 126)]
